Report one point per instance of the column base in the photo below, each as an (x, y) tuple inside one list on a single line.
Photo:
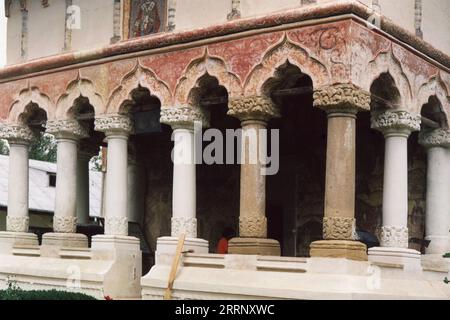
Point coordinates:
[(67, 240), (438, 245), (254, 246), (347, 249), (168, 245), (410, 260), (9, 240)]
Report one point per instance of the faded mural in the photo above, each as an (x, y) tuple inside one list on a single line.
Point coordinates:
[(146, 17)]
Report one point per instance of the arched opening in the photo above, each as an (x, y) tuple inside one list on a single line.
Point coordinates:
[(384, 93), (295, 194)]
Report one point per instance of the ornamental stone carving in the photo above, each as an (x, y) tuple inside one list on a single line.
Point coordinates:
[(17, 134), (183, 117), (117, 226), (394, 237), (341, 98), (185, 225), (66, 129), (17, 224), (114, 124), (253, 108), (396, 122), (253, 227), (64, 224), (435, 138), (339, 228)]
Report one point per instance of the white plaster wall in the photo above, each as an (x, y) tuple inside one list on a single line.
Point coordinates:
[(14, 28), (45, 28), (191, 14), (95, 15), (400, 11), (436, 23), (258, 7)]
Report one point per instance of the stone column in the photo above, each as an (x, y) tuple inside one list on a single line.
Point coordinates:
[(184, 209), (17, 219), (83, 186), (342, 103), (117, 129), (396, 127), (437, 223), (254, 113), (68, 134)]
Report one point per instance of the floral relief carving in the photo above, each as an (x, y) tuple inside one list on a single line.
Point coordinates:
[(339, 228), (117, 226), (253, 108), (66, 129), (341, 97), (17, 134), (435, 138), (114, 123), (17, 224), (183, 117), (185, 225), (394, 237), (392, 121), (64, 224), (253, 227)]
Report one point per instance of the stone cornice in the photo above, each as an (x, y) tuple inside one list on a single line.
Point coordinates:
[(253, 108), (396, 121), (17, 134), (306, 13), (114, 124), (342, 98), (435, 138), (183, 117), (66, 129)]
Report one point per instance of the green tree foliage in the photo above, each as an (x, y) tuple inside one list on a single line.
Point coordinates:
[(4, 149), (43, 148)]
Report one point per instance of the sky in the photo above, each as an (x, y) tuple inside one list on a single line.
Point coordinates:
[(2, 34)]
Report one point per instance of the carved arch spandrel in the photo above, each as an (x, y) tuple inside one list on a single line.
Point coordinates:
[(206, 65), (285, 51), (435, 87), (79, 87), (30, 95), (139, 76), (385, 62)]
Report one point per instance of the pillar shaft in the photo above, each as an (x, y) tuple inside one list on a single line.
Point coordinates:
[(339, 217), (437, 221), (117, 129), (396, 127), (184, 194), (83, 188), (19, 138)]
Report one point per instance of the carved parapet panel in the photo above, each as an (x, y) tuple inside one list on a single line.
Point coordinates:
[(435, 138), (17, 134), (339, 228), (394, 237), (66, 129), (17, 224), (114, 124), (396, 122), (253, 108), (342, 98), (181, 225), (253, 227), (64, 224), (183, 117), (117, 226)]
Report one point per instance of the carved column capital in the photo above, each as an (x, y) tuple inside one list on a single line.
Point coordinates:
[(435, 138), (17, 134), (17, 224), (339, 228), (64, 224), (66, 129), (253, 227), (183, 117), (114, 124), (342, 98), (396, 122), (394, 237), (253, 108)]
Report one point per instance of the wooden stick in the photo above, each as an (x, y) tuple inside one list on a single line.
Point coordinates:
[(173, 271)]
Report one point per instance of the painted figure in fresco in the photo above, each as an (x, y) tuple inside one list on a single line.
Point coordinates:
[(147, 19)]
